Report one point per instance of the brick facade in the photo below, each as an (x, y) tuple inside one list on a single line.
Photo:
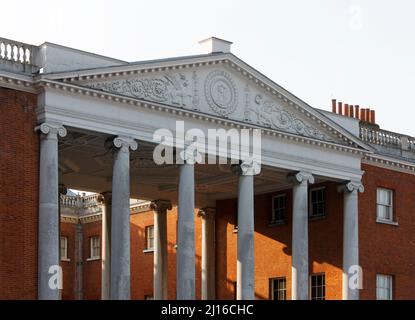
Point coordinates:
[(19, 175), (384, 248)]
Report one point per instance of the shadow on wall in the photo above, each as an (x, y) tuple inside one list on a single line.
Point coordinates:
[(273, 247)]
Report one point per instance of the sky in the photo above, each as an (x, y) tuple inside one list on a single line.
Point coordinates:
[(359, 52)]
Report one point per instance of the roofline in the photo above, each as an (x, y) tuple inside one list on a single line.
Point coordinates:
[(46, 43), (202, 58)]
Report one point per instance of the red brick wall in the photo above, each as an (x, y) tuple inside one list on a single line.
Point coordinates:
[(19, 163), (91, 268), (68, 267), (387, 249), (273, 245), (142, 262)]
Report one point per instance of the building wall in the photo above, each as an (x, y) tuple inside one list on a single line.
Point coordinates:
[(387, 249), (19, 172), (273, 245), (142, 262), (91, 268), (68, 267)]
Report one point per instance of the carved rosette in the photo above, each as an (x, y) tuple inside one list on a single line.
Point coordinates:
[(161, 206), (125, 144), (52, 129), (220, 92), (351, 186), (300, 177)]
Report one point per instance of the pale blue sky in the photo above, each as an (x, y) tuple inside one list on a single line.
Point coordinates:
[(360, 52)]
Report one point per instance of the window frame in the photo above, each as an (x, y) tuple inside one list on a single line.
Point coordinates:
[(64, 257), (311, 285), (273, 220), (272, 288), (390, 281), (391, 206), (310, 203), (91, 248), (147, 248)]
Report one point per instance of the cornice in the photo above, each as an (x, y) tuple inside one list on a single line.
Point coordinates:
[(17, 81), (195, 114), (389, 163), (228, 59)]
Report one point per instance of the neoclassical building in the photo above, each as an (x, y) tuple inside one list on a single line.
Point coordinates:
[(327, 212)]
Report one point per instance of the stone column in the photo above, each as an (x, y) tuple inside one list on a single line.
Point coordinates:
[(185, 263), (300, 271), (160, 208), (245, 247), (120, 219), (49, 275), (351, 281), (62, 191), (106, 203), (79, 235), (208, 253)]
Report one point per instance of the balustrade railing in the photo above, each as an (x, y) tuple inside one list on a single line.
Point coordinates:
[(387, 138), (17, 52)]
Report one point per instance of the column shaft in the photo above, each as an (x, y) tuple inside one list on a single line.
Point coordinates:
[(106, 246), (300, 268), (186, 234), (120, 220), (351, 267), (245, 250), (49, 275), (208, 253), (160, 208)]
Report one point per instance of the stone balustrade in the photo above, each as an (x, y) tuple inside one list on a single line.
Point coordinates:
[(387, 141), (17, 56)]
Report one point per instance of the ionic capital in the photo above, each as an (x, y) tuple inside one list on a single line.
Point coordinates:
[(247, 167), (105, 198), (206, 213), (125, 143), (300, 177), (160, 205), (190, 155), (63, 189), (52, 130), (351, 186)]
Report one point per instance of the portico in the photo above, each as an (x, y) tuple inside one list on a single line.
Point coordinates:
[(105, 119)]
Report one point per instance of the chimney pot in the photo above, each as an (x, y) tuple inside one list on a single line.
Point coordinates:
[(372, 116), (340, 108), (346, 109), (363, 114), (351, 112), (333, 105), (357, 111), (367, 114)]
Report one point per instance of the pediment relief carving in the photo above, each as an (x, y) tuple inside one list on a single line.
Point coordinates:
[(219, 92)]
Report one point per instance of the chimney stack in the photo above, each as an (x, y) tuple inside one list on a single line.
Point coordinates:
[(340, 108), (333, 105), (353, 111), (356, 111)]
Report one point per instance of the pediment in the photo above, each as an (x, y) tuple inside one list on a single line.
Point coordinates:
[(223, 90)]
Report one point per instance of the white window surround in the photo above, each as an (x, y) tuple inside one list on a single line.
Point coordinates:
[(95, 248), (64, 248), (384, 287), (149, 244), (385, 206), (310, 204), (274, 221)]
